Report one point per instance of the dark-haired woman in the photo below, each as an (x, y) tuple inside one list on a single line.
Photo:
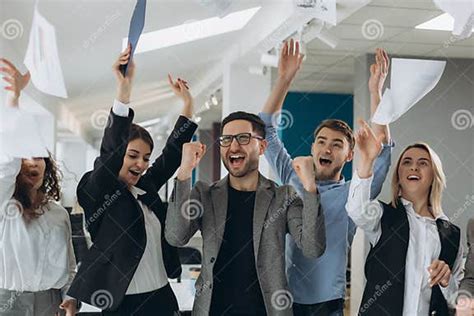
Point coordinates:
[(126, 270), (36, 255)]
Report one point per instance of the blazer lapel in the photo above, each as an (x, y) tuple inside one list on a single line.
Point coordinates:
[(263, 199), (219, 196)]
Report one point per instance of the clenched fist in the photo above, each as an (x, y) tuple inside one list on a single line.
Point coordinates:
[(192, 154), (304, 168)]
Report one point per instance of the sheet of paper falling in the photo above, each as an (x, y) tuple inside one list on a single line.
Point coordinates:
[(42, 59), (462, 12), (410, 80), (19, 134)]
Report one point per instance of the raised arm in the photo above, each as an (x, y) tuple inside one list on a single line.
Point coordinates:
[(185, 207), (10, 166), (378, 74), (276, 154), (167, 163), (288, 65), (364, 211)]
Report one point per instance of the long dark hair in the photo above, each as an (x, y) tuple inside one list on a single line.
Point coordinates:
[(50, 190)]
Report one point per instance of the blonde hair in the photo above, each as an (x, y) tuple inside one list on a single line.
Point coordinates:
[(437, 186)]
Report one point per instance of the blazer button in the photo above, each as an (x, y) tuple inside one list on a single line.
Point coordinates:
[(213, 259)]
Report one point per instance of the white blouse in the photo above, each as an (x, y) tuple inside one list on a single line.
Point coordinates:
[(151, 273), (36, 255), (424, 246)]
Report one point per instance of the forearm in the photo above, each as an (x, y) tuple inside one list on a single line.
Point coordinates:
[(378, 129), (181, 218), (187, 110), (277, 96)]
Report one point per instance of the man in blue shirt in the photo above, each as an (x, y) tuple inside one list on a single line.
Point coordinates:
[(318, 285)]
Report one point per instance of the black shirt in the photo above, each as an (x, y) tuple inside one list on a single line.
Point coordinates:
[(236, 288)]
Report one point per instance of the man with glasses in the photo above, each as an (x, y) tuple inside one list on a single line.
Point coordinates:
[(243, 219)]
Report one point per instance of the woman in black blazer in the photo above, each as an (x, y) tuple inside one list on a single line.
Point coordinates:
[(126, 270)]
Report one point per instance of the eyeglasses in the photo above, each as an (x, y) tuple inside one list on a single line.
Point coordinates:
[(242, 139)]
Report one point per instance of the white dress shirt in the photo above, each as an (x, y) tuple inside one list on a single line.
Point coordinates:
[(36, 255), (151, 273), (424, 246)]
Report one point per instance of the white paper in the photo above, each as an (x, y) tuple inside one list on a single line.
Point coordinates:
[(410, 80), (463, 13), (324, 10), (42, 59), (20, 135)]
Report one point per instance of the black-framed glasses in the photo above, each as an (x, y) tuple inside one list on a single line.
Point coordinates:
[(242, 139)]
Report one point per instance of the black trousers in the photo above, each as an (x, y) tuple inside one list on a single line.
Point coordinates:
[(161, 302), (329, 308)]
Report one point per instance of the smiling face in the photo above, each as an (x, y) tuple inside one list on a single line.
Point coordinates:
[(330, 151), (241, 160), (135, 161), (415, 173), (32, 172)]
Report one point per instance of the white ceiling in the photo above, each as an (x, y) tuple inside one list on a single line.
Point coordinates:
[(89, 35)]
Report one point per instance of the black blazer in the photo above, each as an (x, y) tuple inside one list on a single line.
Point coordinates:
[(114, 218)]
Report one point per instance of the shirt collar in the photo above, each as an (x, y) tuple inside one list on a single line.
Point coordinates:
[(409, 207), (136, 191), (327, 184)]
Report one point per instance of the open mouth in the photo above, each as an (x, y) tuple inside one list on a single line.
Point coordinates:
[(325, 162), (236, 160), (413, 178), (135, 173)]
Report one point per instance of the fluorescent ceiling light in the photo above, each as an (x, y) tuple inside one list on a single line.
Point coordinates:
[(192, 31), (443, 22)]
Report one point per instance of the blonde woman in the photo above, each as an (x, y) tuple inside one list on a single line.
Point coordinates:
[(414, 264)]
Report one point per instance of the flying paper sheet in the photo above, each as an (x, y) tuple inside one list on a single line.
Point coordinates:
[(136, 27), (19, 134), (411, 80), (42, 59), (322, 9), (463, 13)]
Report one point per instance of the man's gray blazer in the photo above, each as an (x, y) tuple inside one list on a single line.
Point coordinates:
[(278, 211), (467, 284)]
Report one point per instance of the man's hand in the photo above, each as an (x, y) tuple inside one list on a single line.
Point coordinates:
[(192, 154), (290, 61), (304, 168)]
